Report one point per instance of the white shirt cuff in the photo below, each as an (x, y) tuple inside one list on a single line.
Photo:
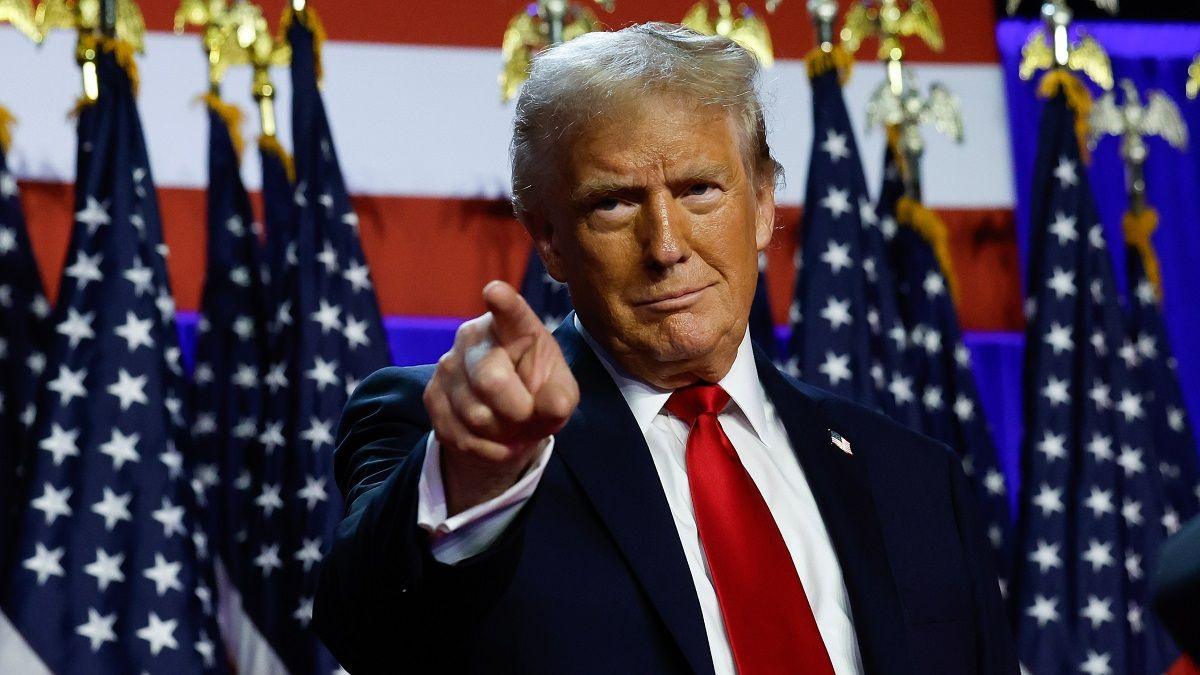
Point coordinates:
[(471, 532)]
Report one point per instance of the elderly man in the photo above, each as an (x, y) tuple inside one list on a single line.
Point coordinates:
[(642, 491)]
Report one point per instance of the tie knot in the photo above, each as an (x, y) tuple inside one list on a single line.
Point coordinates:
[(695, 400)]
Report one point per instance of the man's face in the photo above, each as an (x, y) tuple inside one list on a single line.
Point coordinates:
[(656, 224)]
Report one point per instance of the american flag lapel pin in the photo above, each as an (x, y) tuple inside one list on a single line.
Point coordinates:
[(840, 441)]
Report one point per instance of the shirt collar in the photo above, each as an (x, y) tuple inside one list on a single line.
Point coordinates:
[(645, 400)]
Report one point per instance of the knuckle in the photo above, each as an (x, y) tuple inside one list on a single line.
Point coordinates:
[(477, 416), (490, 378)]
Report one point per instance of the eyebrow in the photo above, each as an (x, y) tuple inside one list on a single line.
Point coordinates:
[(592, 189)]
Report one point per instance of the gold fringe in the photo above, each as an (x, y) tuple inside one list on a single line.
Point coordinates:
[(1078, 99), (309, 19), (893, 140), (820, 61), (6, 124), (931, 228), (1138, 229), (270, 144), (231, 115)]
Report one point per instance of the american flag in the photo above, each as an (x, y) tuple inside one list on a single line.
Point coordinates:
[(941, 365), (846, 331), (328, 336), (231, 349), (1091, 503), (1150, 352), (109, 575), (23, 329)]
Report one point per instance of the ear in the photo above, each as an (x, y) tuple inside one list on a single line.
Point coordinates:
[(541, 230), (764, 223)]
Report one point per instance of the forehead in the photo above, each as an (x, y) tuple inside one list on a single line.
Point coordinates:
[(655, 135)]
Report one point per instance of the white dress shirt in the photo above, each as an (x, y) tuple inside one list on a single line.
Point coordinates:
[(762, 445)]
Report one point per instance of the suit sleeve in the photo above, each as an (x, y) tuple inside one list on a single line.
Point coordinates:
[(382, 599), (997, 655)]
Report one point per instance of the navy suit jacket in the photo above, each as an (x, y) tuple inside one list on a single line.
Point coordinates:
[(591, 576)]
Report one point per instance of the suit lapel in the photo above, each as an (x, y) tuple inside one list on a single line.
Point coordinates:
[(604, 449), (843, 496)]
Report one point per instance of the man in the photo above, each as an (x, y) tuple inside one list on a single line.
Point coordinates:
[(642, 492)]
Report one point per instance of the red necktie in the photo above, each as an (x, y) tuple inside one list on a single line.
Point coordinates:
[(769, 622)]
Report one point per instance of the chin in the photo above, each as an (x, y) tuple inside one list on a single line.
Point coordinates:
[(686, 336)]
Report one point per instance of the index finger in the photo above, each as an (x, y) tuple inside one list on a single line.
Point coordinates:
[(512, 318)]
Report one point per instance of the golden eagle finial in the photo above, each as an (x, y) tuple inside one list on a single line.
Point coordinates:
[(745, 28), (539, 25), (20, 14), (888, 21)]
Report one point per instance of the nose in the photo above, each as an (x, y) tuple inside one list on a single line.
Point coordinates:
[(666, 233)]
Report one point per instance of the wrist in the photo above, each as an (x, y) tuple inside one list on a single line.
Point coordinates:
[(469, 480)]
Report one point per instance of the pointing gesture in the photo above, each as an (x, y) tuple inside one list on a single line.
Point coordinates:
[(496, 397)]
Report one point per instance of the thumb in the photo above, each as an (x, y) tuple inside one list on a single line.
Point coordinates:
[(513, 321)]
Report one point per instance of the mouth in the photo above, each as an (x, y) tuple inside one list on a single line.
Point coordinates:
[(673, 301)]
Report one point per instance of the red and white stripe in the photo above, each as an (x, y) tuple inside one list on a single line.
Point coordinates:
[(422, 137)]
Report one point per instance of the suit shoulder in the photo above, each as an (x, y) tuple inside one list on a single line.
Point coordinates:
[(393, 379)]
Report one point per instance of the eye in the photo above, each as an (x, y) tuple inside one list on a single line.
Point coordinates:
[(700, 190), (606, 204)]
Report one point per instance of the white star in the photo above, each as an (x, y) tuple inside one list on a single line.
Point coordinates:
[(994, 482), (1096, 237), (1133, 565), (1044, 610), (1063, 227), (94, 214), (45, 563), (8, 236), (1097, 611), (836, 368), (1096, 664), (328, 316), (1099, 554), (246, 376), (837, 256), (326, 200), (1170, 521), (136, 332), (866, 212), (36, 363), (113, 508), (170, 516), (141, 277), (1065, 172), (310, 553), (837, 201), (835, 146), (300, 195), (901, 389), (60, 443), (358, 275), (1062, 283), (159, 634), (268, 559), (129, 389), (1131, 511), (77, 327), (1128, 353), (1099, 343), (1099, 501), (1100, 393), (1053, 446), (247, 427), (934, 285), (98, 629), (235, 225), (1130, 460), (1146, 294), (106, 568), (165, 305), (356, 332), (304, 611), (53, 503), (204, 374), (932, 398), (173, 460), (8, 187), (323, 373), (1130, 406), (1046, 556), (240, 276), (121, 448), (243, 327), (1056, 391), (1059, 338), (276, 378), (206, 650), (269, 500), (1048, 499), (272, 436), (1134, 617), (837, 313), (350, 218), (328, 258), (313, 492), (964, 409), (165, 575), (1147, 346), (318, 434), (206, 423)]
